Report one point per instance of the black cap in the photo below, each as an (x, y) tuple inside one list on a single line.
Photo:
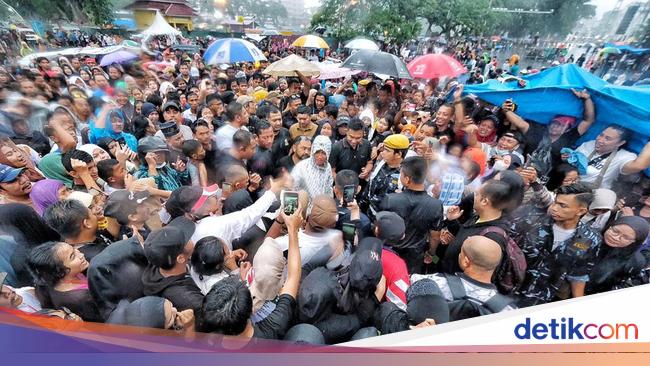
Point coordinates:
[(425, 307), (122, 203), (171, 104), (163, 246), (169, 129), (391, 227), (305, 334), (343, 120), (365, 269)]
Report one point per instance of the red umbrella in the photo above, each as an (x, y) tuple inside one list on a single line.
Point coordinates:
[(434, 66)]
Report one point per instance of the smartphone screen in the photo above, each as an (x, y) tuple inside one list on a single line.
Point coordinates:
[(348, 193), (349, 231), (289, 202)]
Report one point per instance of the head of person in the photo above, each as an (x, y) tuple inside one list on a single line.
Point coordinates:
[(148, 311), (320, 150), (443, 116), (327, 128), (274, 116), (112, 172), (128, 208), (173, 135), (413, 172), (208, 256), (355, 133), (237, 114), (227, 308), (510, 141), (562, 175), (121, 97), (320, 100), (114, 72), (244, 143), (150, 111), (67, 121), (237, 176), (155, 145), (492, 195), (201, 131), (66, 161), (11, 155), (101, 82), (301, 148), (303, 116), (628, 232), (294, 85), (265, 135), (604, 201), (46, 192), (193, 101), (248, 103), (487, 127), (171, 247), (342, 124), (559, 125), (8, 297), (571, 202), (43, 63), (71, 219), (194, 150), (95, 151), (194, 202), (389, 227), (52, 262), (214, 102), (612, 138), (479, 255), (345, 177), (171, 111), (383, 125), (142, 127), (395, 148), (323, 214)]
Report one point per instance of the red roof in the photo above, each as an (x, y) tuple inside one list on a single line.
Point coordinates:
[(174, 8)]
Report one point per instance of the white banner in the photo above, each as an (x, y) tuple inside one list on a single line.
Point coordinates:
[(612, 317)]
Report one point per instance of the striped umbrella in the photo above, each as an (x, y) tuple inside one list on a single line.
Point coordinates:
[(232, 50), (310, 41)]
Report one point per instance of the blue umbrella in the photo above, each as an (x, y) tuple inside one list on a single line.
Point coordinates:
[(232, 50), (117, 57)]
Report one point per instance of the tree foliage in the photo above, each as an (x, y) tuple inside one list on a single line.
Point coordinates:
[(266, 11), (457, 16), (391, 19), (78, 11)]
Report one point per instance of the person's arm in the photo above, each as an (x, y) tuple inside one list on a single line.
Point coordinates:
[(306, 84), (100, 122), (514, 119), (66, 140), (310, 98), (577, 288), (294, 265), (641, 162), (235, 224), (150, 159), (589, 115), (472, 139), (459, 110), (203, 174), (81, 168)]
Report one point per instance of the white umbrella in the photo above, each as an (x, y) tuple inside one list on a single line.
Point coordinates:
[(362, 44), (289, 65), (334, 71)]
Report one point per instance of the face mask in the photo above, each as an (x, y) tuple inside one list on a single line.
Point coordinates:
[(160, 166), (499, 166)]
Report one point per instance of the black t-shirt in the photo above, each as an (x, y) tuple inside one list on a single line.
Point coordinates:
[(286, 162), (344, 157), (536, 133), (421, 213), (288, 119), (278, 322)]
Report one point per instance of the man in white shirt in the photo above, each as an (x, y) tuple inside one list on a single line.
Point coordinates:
[(606, 159), (237, 117), (23, 299)]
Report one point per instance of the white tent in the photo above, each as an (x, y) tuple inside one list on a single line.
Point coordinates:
[(160, 27)]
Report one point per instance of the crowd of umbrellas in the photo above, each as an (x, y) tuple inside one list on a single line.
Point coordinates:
[(365, 56)]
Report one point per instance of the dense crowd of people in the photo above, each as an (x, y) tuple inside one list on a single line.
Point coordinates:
[(219, 199)]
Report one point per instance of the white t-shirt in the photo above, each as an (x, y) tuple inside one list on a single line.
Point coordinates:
[(225, 134), (313, 245), (561, 235), (621, 158)]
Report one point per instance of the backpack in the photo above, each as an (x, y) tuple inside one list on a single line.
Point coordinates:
[(462, 307), (512, 271)]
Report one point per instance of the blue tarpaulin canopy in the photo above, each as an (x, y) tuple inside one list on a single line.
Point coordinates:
[(548, 93), (629, 49)]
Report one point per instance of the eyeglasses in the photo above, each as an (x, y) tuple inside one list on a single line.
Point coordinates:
[(617, 233)]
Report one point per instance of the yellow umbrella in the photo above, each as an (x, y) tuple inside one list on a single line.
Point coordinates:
[(289, 65), (310, 41)]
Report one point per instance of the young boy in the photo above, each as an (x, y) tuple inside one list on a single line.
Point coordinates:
[(195, 166)]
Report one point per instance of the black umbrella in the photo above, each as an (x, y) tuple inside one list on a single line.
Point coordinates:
[(378, 62)]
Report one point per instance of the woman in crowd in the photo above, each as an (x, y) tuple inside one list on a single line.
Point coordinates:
[(57, 269)]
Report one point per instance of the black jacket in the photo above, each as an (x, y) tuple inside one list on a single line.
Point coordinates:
[(180, 290), (115, 274)]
